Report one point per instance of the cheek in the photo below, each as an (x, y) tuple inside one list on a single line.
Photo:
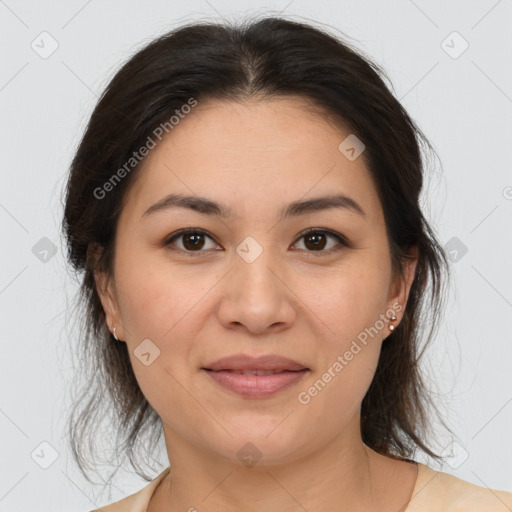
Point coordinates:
[(338, 393), (163, 305), (348, 303), (157, 305), (348, 306), (156, 297)]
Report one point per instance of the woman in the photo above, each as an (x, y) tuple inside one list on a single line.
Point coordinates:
[(244, 207)]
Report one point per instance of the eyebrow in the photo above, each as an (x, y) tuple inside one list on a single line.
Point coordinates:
[(206, 206)]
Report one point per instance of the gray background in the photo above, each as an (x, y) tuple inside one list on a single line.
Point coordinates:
[(462, 101)]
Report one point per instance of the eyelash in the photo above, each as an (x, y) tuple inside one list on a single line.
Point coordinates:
[(343, 242)]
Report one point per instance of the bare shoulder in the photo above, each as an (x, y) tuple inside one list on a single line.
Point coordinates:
[(138, 501), (133, 503), (471, 497), (436, 490), (124, 505)]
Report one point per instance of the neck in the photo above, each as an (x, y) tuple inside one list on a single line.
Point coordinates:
[(342, 474)]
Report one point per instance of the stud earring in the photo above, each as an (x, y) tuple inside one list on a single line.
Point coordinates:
[(391, 326), (114, 333)]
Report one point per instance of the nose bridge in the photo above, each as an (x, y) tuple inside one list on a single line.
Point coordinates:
[(255, 295), (253, 263)]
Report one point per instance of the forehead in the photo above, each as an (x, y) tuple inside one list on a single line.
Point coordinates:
[(252, 153), (256, 128)]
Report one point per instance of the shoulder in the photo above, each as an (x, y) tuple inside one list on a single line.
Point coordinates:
[(138, 501), (435, 490)]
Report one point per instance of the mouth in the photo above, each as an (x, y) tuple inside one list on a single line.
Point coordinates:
[(255, 377), (254, 372), (253, 384), (272, 363)]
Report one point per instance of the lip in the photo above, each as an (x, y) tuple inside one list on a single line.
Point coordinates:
[(288, 373), (245, 362), (256, 386)]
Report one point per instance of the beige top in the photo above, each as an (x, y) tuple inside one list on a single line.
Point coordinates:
[(434, 491)]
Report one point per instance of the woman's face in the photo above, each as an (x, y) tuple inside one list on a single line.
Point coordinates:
[(250, 283)]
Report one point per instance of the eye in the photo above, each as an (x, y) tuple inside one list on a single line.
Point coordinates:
[(315, 239), (193, 240)]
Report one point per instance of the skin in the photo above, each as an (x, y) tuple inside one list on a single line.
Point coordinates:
[(295, 301)]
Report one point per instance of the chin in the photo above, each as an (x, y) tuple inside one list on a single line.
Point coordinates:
[(259, 446)]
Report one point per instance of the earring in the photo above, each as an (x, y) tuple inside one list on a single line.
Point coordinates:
[(391, 326), (114, 333)]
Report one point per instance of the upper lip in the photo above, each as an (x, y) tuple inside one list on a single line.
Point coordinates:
[(245, 362)]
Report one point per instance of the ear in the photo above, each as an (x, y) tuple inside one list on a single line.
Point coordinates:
[(400, 288), (105, 286)]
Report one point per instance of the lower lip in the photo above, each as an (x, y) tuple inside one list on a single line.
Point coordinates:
[(256, 386)]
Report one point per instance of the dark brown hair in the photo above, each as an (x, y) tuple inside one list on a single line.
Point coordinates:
[(264, 58)]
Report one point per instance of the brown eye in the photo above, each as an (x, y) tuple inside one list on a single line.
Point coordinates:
[(193, 240), (316, 240)]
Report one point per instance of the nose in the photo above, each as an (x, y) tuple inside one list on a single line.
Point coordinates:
[(257, 296)]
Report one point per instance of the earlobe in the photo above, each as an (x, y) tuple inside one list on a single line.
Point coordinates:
[(403, 283)]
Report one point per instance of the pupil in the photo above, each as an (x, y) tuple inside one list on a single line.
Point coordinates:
[(195, 241), (316, 237)]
